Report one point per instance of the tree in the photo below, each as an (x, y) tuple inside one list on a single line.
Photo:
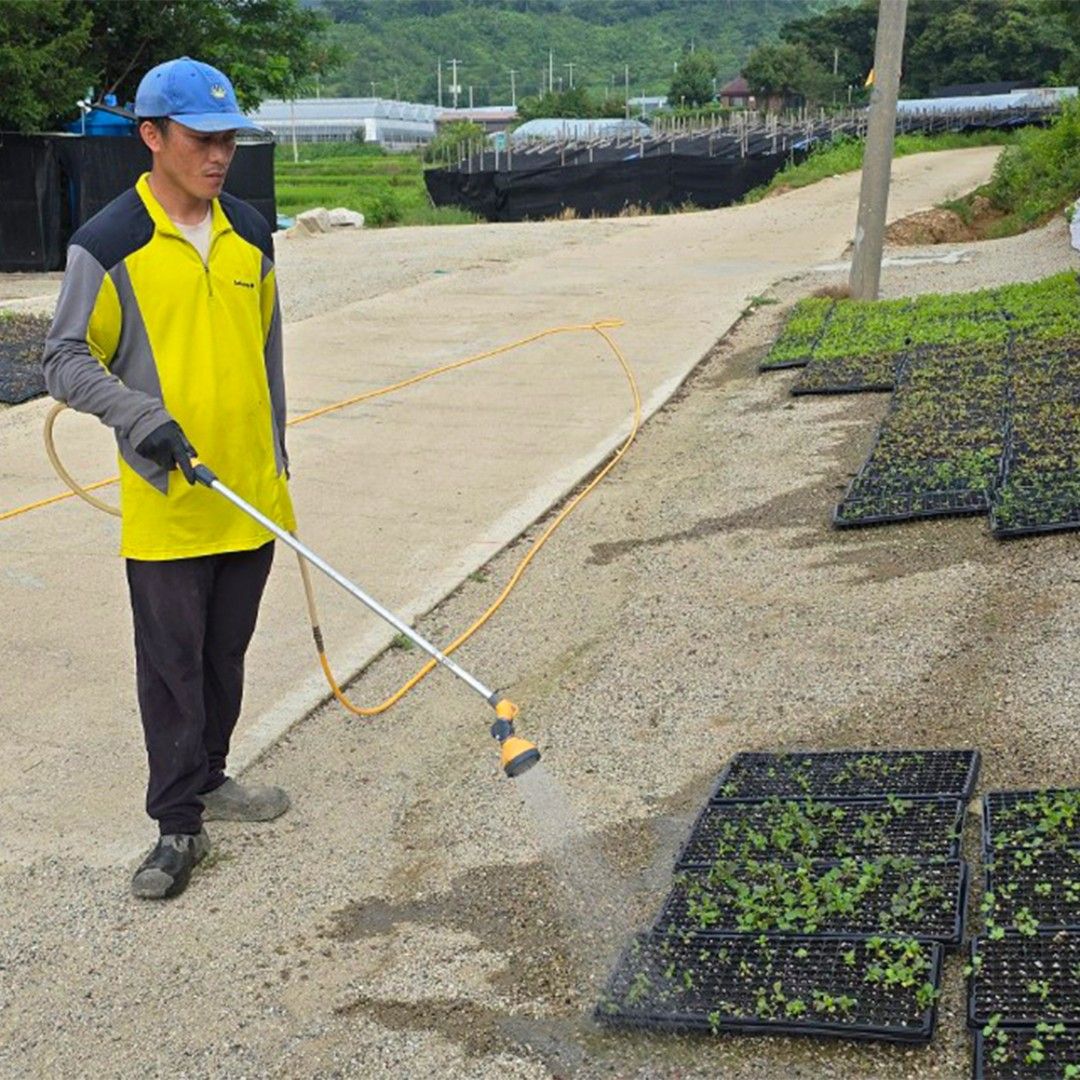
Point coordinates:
[(778, 69), (455, 139), (1061, 16), (963, 41), (51, 51), (565, 104), (692, 83), (268, 48), (38, 78)]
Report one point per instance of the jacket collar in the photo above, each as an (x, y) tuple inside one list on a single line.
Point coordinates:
[(219, 223)]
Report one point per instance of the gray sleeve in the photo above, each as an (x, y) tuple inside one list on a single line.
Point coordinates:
[(275, 372), (74, 375)]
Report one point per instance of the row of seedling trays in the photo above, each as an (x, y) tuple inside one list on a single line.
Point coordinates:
[(816, 894), (1024, 970)]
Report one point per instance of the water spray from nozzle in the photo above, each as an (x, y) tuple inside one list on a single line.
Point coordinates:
[(517, 755)]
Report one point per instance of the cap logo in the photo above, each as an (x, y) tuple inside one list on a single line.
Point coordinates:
[(217, 91)]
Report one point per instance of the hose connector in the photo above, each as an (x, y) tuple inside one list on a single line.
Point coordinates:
[(517, 755), (203, 473)]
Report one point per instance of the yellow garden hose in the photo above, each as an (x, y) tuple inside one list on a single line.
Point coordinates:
[(601, 328)]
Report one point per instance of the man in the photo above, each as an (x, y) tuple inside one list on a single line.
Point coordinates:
[(168, 329)]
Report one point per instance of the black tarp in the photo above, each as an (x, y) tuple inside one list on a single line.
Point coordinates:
[(31, 226), (654, 183), (56, 182)]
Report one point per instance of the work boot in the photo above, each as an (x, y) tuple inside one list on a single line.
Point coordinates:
[(166, 870), (234, 802)]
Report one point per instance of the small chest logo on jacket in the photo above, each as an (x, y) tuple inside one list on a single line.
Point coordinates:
[(244, 284)]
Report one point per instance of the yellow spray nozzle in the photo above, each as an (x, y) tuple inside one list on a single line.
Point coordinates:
[(517, 755), (505, 709)]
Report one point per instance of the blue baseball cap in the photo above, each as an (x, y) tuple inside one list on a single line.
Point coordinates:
[(191, 93)]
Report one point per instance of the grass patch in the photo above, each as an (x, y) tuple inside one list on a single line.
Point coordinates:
[(388, 189), (1039, 174), (845, 154)]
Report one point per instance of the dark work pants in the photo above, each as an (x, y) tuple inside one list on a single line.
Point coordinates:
[(193, 621)]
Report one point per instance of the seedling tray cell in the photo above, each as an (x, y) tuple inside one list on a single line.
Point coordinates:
[(1031, 1053), (1048, 819), (855, 989), (861, 774), (824, 829), (1029, 887), (1025, 979), (894, 896)]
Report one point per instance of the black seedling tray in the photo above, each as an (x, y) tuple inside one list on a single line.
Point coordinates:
[(854, 774), (793, 986), (824, 829), (1009, 1054), (850, 375), (1025, 980), (856, 897), (784, 365), (1049, 519), (1014, 819), (800, 361), (890, 508), (1033, 886), (844, 388)]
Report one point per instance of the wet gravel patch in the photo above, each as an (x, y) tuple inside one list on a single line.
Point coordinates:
[(22, 339)]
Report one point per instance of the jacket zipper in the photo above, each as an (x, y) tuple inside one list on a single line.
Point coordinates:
[(206, 266)]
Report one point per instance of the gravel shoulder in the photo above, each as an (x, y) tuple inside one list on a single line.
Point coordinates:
[(407, 917)]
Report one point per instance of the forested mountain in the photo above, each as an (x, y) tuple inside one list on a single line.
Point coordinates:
[(396, 44)]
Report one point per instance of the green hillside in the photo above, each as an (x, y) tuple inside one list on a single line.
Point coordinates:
[(397, 43)]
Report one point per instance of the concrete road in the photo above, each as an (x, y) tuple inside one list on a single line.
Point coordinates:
[(407, 495)]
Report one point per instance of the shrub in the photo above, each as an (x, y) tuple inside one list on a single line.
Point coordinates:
[(1041, 173), (453, 140)]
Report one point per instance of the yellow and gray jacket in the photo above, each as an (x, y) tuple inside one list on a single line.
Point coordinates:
[(145, 332)]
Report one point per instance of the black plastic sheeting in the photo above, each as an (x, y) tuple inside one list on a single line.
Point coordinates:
[(654, 183), (51, 184), (31, 226)]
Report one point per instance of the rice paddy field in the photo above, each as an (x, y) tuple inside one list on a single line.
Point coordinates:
[(388, 189)]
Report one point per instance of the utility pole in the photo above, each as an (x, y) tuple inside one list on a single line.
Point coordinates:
[(571, 67), (626, 88), (470, 97), (877, 157), (551, 71), (440, 82), (455, 89), (836, 59), (513, 89), (372, 87)]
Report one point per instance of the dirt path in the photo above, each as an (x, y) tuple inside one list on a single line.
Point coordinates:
[(400, 920)]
